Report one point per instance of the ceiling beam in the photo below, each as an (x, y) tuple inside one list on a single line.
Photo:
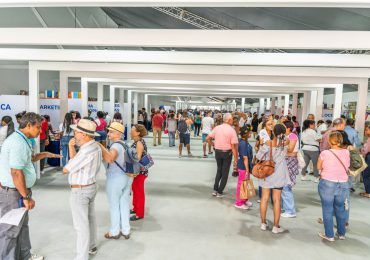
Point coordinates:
[(176, 38), (188, 3)]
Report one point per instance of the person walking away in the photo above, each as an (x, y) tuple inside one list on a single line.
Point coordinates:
[(225, 143), (255, 125), (138, 191), (275, 182), (157, 125), (145, 117), (171, 128), (66, 135), (18, 176), (310, 146), (365, 151), (287, 198), (208, 124), (245, 153), (184, 128), (118, 184), (140, 119), (101, 126), (44, 141), (7, 128), (197, 124), (333, 186), (82, 169)]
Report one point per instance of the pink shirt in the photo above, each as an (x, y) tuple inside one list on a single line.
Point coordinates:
[(224, 136), (332, 169)]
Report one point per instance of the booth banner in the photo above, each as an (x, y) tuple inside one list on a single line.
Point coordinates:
[(327, 114), (11, 105)]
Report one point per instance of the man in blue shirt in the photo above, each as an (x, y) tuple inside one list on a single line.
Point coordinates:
[(18, 175), (352, 133)]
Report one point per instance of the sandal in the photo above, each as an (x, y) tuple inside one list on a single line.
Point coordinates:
[(125, 236), (365, 195), (135, 218), (109, 236)]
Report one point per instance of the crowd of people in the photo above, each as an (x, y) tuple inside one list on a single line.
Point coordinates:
[(324, 149)]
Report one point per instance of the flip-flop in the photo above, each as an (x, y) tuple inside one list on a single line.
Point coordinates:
[(365, 195), (109, 236)]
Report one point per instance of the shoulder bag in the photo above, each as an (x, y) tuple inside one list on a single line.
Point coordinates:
[(264, 168)]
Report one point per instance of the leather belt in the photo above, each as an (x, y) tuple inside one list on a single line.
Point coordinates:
[(81, 186), (223, 151), (8, 188)]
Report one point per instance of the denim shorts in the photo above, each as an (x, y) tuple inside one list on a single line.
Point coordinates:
[(184, 139), (204, 136), (102, 137)]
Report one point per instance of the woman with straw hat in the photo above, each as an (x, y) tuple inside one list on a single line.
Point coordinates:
[(118, 184)]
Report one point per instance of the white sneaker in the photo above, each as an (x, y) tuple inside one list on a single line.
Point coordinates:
[(36, 257), (241, 207), (277, 230), (330, 239), (287, 215), (264, 226), (317, 179), (214, 193), (220, 195), (248, 203), (340, 237), (304, 178), (258, 201)]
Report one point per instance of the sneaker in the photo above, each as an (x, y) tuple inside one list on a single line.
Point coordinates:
[(264, 226), (93, 251), (219, 195), (214, 193), (330, 239), (277, 230), (352, 189), (190, 155), (154, 145), (249, 203), (205, 156), (340, 237), (36, 257), (241, 207), (304, 178), (287, 215), (258, 201), (180, 155), (317, 179)]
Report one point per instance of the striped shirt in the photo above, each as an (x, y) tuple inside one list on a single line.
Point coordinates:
[(84, 167)]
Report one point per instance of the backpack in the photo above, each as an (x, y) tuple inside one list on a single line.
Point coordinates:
[(182, 126), (131, 163)]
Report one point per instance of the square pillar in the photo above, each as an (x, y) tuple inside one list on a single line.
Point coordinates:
[(286, 105), (319, 104), (100, 99), (121, 99), (338, 95), (279, 104), (268, 104), (305, 107), (63, 95), (112, 97), (273, 105), (312, 103), (129, 114), (295, 104), (242, 105), (136, 101), (146, 97), (361, 107), (262, 106), (84, 97)]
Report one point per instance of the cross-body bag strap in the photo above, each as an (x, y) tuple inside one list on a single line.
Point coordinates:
[(271, 159), (345, 169)]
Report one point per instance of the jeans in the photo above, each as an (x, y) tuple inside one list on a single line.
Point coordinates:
[(157, 131), (171, 138), (223, 160), (333, 198), (287, 200), (118, 187), (14, 240), (311, 156), (138, 194), (366, 174), (241, 178), (84, 220), (64, 144), (196, 129), (42, 149)]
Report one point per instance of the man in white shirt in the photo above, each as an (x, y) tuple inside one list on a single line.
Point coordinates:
[(82, 169), (208, 124)]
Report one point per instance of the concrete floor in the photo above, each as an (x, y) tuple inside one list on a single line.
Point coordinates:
[(183, 220)]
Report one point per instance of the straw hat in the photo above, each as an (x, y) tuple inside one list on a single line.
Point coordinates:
[(86, 126), (115, 126)]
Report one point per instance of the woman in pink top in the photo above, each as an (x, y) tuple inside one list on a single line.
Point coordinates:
[(333, 187)]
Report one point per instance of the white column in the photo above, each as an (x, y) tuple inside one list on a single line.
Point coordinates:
[(243, 105), (34, 103), (100, 100), (313, 103), (84, 97), (136, 101), (295, 104), (112, 97), (305, 106), (338, 94), (121, 99), (262, 106), (279, 104), (361, 107), (146, 96), (63, 95), (286, 105), (273, 105), (129, 114), (319, 104), (268, 104)]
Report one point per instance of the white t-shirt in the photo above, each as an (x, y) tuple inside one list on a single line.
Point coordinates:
[(207, 123), (264, 136), (65, 131), (309, 138), (241, 122), (323, 127)]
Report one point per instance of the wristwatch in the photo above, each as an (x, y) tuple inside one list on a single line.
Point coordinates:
[(28, 197)]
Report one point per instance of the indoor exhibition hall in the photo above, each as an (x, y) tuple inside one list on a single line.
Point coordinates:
[(184, 129)]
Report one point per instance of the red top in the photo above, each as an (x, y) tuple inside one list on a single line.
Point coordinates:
[(157, 121), (44, 129), (100, 124)]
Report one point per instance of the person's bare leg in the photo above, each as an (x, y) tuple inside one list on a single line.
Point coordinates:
[(276, 196), (188, 148), (180, 149), (204, 148), (209, 148), (263, 205)]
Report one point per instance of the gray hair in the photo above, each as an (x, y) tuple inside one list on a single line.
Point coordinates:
[(30, 118), (227, 117), (338, 121)]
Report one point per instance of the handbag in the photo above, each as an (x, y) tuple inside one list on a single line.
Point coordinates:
[(247, 190), (356, 160), (359, 170), (166, 131), (146, 162), (264, 168)]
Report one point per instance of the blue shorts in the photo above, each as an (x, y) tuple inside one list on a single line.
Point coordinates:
[(102, 137), (184, 139), (204, 136)]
